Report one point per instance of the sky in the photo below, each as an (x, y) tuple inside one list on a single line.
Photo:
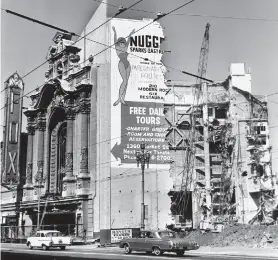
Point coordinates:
[(252, 40)]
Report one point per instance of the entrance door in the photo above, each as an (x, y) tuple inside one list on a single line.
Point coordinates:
[(61, 221)]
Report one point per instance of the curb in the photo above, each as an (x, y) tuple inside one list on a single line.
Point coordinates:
[(231, 254)]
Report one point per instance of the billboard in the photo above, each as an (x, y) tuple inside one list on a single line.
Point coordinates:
[(119, 234), (137, 91)]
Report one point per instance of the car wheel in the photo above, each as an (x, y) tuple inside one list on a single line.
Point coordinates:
[(30, 246), (62, 247), (157, 251), (180, 253), (127, 249), (44, 247)]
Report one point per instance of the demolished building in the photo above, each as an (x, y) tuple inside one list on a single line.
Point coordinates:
[(229, 177)]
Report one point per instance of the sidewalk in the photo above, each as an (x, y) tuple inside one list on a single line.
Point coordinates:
[(205, 250), (237, 251)]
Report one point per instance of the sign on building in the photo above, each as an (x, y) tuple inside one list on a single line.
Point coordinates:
[(137, 91), (119, 234), (11, 130)]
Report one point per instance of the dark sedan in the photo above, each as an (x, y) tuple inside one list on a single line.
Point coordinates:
[(158, 242)]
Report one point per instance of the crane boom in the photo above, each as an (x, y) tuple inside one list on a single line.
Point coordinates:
[(187, 178), (203, 59)]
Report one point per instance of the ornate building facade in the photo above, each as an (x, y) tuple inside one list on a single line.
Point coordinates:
[(57, 173)]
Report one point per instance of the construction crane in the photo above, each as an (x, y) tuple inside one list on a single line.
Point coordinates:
[(196, 121), (203, 59)]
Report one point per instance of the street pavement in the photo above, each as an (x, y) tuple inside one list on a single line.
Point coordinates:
[(20, 251)]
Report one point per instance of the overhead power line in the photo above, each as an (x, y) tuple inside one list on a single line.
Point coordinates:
[(204, 15), (268, 95), (37, 21), (231, 17), (111, 46), (63, 30), (272, 101)]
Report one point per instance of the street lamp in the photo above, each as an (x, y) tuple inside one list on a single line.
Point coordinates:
[(143, 158)]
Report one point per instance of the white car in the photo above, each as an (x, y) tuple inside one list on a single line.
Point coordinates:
[(48, 238)]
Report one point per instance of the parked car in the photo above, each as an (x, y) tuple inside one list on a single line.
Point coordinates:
[(48, 238), (158, 242)]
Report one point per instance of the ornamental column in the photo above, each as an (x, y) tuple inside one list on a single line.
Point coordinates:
[(83, 177), (40, 177), (28, 187), (69, 180)]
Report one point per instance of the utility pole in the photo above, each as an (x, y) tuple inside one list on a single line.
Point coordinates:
[(142, 157)]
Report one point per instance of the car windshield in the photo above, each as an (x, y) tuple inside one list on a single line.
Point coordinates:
[(53, 234), (166, 234)]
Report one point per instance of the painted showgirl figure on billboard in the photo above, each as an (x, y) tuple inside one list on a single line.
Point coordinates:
[(124, 65)]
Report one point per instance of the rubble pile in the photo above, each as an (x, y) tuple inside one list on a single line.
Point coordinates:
[(239, 235)]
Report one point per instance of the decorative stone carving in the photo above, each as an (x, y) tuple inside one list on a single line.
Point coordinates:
[(34, 98), (84, 160), (47, 74), (83, 95), (79, 184), (84, 107), (69, 102), (83, 78), (69, 162), (39, 176), (29, 169), (41, 121), (53, 159), (58, 101), (30, 129), (60, 44), (59, 67), (15, 81), (74, 59), (64, 186), (41, 125), (70, 112), (30, 119)]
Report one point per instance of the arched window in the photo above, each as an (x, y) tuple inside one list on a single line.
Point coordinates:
[(61, 156)]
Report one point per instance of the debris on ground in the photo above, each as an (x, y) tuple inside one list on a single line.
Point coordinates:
[(239, 235)]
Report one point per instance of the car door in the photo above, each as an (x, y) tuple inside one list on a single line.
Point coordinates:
[(35, 240), (42, 240), (150, 241), (139, 244)]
